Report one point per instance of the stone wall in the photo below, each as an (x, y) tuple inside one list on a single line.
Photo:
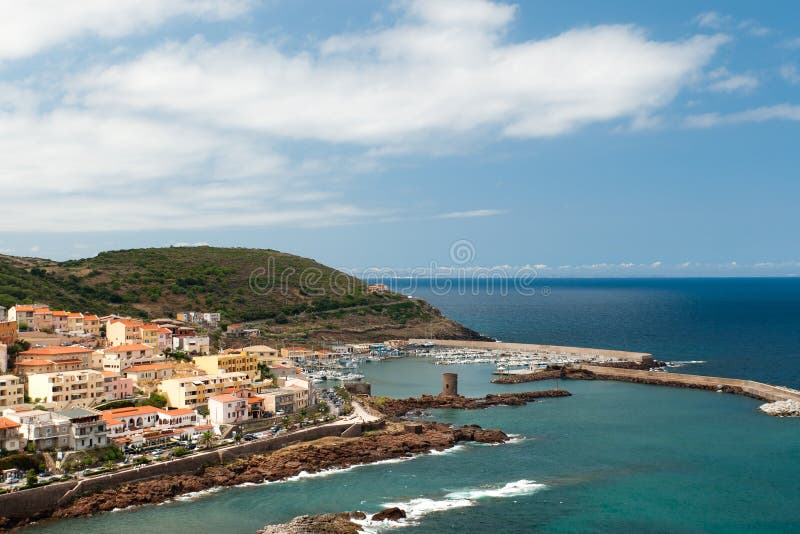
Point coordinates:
[(41, 502)]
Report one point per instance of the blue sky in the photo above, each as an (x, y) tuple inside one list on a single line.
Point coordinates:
[(588, 139)]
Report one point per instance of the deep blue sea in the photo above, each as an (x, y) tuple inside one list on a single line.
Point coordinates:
[(614, 457)]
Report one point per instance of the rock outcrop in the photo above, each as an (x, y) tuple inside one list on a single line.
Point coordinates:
[(320, 455), (390, 514), (400, 407), (318, 524), (784, 408)]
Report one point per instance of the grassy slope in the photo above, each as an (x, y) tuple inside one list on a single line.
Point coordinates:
[(288, 296)]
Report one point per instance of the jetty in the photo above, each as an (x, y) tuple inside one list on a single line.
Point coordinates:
[(749, 388)]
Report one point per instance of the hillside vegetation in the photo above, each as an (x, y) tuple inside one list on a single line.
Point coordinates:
[(289, 296)]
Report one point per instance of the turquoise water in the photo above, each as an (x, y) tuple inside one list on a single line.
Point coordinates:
[(612, 457)]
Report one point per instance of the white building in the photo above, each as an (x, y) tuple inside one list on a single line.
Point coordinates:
[(192, 344), (226, 409), (87, 429), (47, 430), (3, 358)]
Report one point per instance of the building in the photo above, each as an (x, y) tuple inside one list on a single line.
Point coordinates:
[(91, 325), (42, 319), (116, 386), (121, 357), (193, 391), (12, 391), (377, 288), (192, 344), (3, 314), (278, 401), (23, 315), (149, 333), (59, 354), (147, 426), (280, 370), (69, 388), (226, 409), (87, 429), (47, 430), (8, 332), (243, 362), (75, 323), (153, 371), (296, 354), (34, 367), (235, 329), (123, 332), (3, 358), (164, 339), (263, 353), (10, 437), (59, 318), (303, 391)]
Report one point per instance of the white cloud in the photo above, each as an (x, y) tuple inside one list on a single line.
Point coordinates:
[(32, 26), (185, 135), (439, 73), (790, 73), (470, 214), (788, 112), (35, 248), (724, 81), (713, 20)]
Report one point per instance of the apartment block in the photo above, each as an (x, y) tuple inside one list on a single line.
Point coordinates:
[(12, 391), (70, 388), (192, 391)]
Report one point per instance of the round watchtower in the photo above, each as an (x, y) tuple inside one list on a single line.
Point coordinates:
[(449, 384)]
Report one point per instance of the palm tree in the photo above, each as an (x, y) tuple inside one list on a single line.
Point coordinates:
[(207, 439)]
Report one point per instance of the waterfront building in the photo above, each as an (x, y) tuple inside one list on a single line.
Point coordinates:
[(87, 429), (147, 426), (47, 430), (226, 409), (10, 437), (278, 401), (12, 391)]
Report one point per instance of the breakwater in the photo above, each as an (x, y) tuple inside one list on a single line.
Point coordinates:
[(576, 353), (748, 388)]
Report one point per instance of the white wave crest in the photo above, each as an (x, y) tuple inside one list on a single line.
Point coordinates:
[(418, 508)]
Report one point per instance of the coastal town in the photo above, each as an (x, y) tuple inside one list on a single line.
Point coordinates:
[(82, 394)]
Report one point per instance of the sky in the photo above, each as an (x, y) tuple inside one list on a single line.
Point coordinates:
[(571, 138)]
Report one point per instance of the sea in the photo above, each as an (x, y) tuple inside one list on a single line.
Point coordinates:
[(613, 457)]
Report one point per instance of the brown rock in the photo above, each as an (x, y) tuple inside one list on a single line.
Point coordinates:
[(390, 514)]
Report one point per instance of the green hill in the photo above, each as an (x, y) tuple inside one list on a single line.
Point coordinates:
[(287, 296)]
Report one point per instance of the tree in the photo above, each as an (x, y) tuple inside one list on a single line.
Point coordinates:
[(30, 478), (207, 439), (155, 399), (263, 369)]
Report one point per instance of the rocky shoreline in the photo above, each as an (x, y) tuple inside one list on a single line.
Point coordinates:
[(400, 407), (341, 523), (311, 457)]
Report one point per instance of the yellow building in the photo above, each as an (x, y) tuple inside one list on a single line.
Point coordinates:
[(263, 353), (296, 353), (123, 332), (70, 388), (149, 334), (192, 391), (242, 362), (75, 322), (12, 390)]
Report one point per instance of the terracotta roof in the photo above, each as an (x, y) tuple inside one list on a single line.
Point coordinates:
[(75, 315), (180, 411), (149, 367), (91, 318), (255, 400), (59, 313), (41, 310), (23, 308), (126, 348), (34, 362), (127, 322), (110, 373), (130, 411), (8, 423), (150, 327), (225, 398), (54, 350), (164, 331)]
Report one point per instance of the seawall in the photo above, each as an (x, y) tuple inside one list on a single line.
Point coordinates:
[(42, 502), (748, 388), (575, 352)]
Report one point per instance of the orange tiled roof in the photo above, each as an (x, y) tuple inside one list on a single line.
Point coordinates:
[(132, 347), (255, 400), (59, 313), (24, 308), (34, 362), (54, 351), (91, 318), (130, 411), (127, 322), (75, 315), (180, 411), (41, 310), (8, 423), (164, 331), (150, 327), (148, 367), (110, 373)]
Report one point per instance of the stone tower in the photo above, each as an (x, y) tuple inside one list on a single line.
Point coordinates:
[(449, 384)]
